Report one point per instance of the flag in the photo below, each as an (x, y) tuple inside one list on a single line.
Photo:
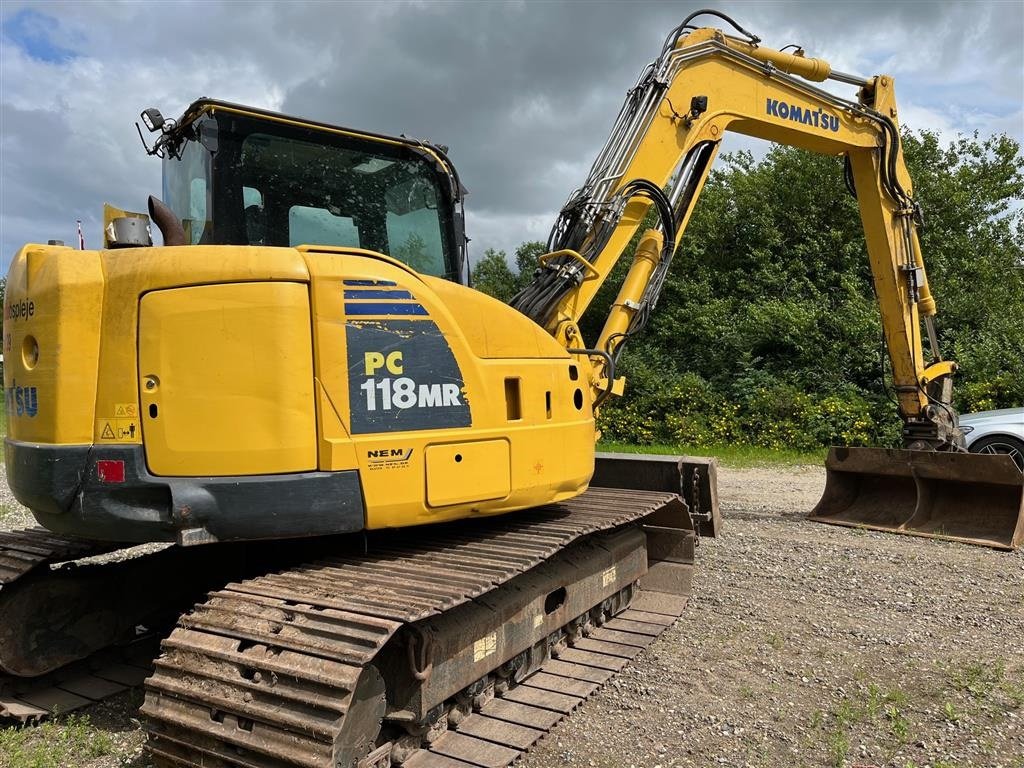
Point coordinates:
[(81, 237)]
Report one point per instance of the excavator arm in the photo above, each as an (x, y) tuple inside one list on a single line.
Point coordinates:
[(666, 137), (659, 153)]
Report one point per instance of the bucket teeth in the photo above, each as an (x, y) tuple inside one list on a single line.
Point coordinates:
[(975, 499)]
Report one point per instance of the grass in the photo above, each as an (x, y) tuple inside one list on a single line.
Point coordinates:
[(838, 748), (70, 741), (978, 680), (728, 454), (874, 710)]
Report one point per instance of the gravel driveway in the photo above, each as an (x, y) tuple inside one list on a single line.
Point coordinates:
[(804, 645), (812, 645)]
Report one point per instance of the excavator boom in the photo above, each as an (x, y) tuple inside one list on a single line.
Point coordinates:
[(659, 153)]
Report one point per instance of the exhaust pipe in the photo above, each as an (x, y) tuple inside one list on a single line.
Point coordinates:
[(168, 224), (966, 497)]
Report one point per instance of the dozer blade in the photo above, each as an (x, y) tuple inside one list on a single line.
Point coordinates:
[(976, 499)]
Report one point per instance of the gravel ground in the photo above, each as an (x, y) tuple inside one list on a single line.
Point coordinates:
[(804, 645), (813, 645)]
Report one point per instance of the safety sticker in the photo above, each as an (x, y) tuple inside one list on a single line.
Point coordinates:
[(608, 576), (485, 646), (126, 411), (114, 430)]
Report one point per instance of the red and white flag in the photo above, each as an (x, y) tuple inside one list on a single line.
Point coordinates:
[(81, 237)]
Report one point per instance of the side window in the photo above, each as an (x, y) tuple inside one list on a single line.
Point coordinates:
[(255, 216), (251, 197), (414, 230), (196, 222), (316, 226)]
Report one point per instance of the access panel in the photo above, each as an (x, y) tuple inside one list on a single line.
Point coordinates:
[(226, 379)]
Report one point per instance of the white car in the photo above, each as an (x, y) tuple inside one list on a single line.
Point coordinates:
[(999, 431)]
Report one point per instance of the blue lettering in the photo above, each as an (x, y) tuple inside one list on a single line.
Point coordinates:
[(796, 113), (783, 110), (773, 107), (31, 403), (833, 123), (21, 401)]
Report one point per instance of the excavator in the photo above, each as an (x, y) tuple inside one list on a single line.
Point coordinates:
[(382, 484)]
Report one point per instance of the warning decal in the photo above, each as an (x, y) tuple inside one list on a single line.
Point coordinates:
[(114, 430)]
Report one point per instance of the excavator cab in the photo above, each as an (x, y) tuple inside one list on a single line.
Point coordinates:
[(236, 175)]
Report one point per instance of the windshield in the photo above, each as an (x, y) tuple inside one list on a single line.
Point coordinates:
[(249, 181)]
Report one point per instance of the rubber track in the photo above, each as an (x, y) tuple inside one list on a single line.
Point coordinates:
[(261, 674)]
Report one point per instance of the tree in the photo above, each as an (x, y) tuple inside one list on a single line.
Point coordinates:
[(528, 260), (768, 311), (493, 276), (768, 331)]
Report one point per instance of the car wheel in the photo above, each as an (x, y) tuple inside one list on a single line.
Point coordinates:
[(1001, 444)]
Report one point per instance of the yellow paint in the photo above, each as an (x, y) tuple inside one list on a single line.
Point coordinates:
[(57, 296), (937, 371), (227, 379), (732, 75), (485, 646), (465, 472), (608, 576), (241, 351)]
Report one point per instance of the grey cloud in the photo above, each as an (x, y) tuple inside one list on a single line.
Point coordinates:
[(524, 92)]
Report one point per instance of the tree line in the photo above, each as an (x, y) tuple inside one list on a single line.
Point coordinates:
[(768, 331)]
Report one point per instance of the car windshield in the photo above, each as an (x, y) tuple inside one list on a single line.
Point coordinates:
[(247, 180)]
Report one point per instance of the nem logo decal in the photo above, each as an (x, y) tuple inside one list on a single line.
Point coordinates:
[(388, 458), (819, 118)]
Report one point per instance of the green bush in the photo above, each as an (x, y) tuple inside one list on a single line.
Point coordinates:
[(768, 332)]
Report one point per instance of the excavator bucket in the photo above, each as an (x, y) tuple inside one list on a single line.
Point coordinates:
[(976, 499)]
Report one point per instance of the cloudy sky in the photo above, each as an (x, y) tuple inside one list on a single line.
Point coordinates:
[(523, 92)]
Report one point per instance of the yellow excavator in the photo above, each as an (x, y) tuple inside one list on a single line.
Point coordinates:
[(302, 359)]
